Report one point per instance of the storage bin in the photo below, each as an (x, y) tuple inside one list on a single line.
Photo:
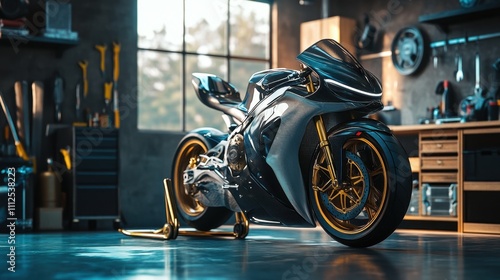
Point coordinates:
[(439, 199)]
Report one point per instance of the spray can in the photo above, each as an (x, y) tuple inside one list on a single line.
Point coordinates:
[(50, 188)]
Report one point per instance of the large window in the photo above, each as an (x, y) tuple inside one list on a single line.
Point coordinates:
[(228, 38)]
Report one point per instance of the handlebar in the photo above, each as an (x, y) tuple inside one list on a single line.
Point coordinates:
[(295, 78)]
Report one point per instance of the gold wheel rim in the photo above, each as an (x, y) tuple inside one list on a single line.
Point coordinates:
[(187, 203), (378, 181)]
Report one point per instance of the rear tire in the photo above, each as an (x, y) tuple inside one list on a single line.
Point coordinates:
[(362, 211), (191, 210)]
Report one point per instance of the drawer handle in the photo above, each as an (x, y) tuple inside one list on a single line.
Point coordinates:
[(439, 146), (439, 162)]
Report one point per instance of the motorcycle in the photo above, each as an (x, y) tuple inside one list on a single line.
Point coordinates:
[(299, 151)]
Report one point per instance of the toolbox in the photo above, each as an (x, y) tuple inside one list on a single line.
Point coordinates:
[(92, 184), (439, 199)]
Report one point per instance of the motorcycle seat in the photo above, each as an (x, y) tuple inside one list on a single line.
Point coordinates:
[(218, 94), (215, 86)]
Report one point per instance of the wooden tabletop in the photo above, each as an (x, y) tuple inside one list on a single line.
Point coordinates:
[(457, 125)]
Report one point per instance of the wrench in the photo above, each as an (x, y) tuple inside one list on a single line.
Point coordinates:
[(84, 65), (478, 91), (460, 73)]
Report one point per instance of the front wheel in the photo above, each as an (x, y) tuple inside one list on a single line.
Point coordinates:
[(374, 197), (190, 209)]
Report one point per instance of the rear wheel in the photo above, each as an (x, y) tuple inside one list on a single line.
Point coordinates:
[(191, 210), (372, 201)]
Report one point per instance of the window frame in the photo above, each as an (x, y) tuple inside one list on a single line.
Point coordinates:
[(227, 57)]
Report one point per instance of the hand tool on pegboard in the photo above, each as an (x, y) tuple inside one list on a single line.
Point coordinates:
[(78, 106), (66, 153), (21, 152), (23, 113), (8, 148), (116, 74), (108, 90), (78, 102), (58, 97), (105, 117), (102, 64), (38, 125), (84, 65)]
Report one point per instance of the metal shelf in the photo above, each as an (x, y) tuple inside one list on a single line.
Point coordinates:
[(464, 40), (481, 186), (447, 18), (25, 40), (444, 19), (431, 218)]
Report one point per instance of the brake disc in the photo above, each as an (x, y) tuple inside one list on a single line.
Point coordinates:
[(347, 202)]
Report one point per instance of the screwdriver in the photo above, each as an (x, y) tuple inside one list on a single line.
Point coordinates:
[(108, 88), (116, 74)]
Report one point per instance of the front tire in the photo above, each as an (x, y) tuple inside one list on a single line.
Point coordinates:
[(371, 202), (191, 210)]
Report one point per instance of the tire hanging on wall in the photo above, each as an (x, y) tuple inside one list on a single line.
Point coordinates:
[(409, 48), (13, 9)]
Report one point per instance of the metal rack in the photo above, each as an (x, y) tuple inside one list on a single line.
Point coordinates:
[(463, 40), (444, 19)]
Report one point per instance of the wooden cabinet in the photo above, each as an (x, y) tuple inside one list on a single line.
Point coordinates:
[(438, 176), (481, 180), (458, 171), (340, 29)]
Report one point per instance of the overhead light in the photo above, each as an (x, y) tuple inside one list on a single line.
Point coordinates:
[(306, 2)]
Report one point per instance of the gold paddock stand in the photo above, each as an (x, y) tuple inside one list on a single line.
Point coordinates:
[(171, 228)]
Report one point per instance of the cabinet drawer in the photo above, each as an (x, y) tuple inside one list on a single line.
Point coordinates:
[(85, 144), (439, 163), (96, 178), (439, 146), (445, 177), (439, 134), (96, 163)]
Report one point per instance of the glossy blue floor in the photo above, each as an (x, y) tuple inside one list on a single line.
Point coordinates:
[(266, 253)]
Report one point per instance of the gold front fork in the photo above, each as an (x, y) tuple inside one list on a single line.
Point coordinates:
[(323, 140), (325, 145), (309, 84)]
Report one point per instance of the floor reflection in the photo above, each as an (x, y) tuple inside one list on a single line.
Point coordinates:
[(267, 253)]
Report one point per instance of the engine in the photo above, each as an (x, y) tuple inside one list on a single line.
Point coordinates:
[(206, 182), (236, 154)]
